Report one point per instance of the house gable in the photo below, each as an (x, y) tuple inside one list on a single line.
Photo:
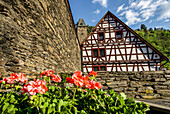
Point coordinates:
[(124, 49)]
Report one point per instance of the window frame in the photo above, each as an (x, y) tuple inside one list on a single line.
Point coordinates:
[(99, 67), (98, 52), (121, 35), (99, 37)]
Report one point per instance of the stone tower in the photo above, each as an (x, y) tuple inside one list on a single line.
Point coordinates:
[(81, 30)]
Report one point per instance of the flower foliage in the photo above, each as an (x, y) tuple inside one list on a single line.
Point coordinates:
[(79, 80)]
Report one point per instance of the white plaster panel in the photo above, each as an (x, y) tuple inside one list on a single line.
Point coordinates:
[(128, 57), (106, 35), (113, 51), (141, 57), (85, 59), (130, 68), (90, 58), (107, 58), (133, 57), (109, 68), (152, 68), (112, 25), (107, 52), (144, 50), (118, 69), (84, 53), (134, 50), (142, 44), (105, 25), (110, 18), (89, 69), (119, 58), (146, 68), (117, 51), (128, 50), (150, 50), (88, 47), (122, 51), (95, 36), (138, 50), (140, 68), (124, 57), (89, 53), (123, 68), (84, 70), (112, 58), (113, 34), (135, 68), (124, 34), (132, 34), (93, 42)]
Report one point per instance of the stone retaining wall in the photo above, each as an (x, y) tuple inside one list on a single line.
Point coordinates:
[(37, 35), (137, 84)]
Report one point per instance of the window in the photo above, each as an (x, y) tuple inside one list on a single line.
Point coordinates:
[(119, 35), (81, 23), (98, 52), (95, 53), (101, 36), (81, 33), (96, 68), (99, 68), (102, 52), (103, 68)]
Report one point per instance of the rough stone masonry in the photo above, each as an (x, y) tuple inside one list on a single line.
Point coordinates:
[(37, 35)]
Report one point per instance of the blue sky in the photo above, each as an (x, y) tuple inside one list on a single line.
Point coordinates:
[(152, 13)]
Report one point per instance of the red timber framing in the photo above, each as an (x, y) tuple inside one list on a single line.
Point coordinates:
[(124, 50)]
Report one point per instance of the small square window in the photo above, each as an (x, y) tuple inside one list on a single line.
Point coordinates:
[(96, 68), (95, 53), (101, 36), (103, 68), (119, 35)]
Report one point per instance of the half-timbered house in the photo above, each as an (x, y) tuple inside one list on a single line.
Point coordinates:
[(113, 46)]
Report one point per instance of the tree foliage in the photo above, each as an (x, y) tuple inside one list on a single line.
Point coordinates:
[(159, 38), (89, 29)]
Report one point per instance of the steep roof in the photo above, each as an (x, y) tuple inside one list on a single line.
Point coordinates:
[(108, 12), (81, 22)]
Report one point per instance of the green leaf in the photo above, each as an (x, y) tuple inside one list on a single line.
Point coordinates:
[(60, 104), (5, 107)]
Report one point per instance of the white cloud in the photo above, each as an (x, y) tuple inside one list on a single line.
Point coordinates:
[(167, 20), (97, 11), (101, 2), (142, 10), (120, 8), (132, 17), (165, 11), (93, 21)]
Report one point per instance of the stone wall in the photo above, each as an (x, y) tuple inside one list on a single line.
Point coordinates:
[(37, 35), (137, 84)]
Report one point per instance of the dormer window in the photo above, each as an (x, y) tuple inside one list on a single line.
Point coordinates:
[(101, 36), (119, 35)]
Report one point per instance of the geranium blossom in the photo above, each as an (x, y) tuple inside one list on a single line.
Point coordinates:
[(8, 80), (19, 77), (81, 81), (15, 77), (33, 87), (92, 73), (56, 78), (50, 73)]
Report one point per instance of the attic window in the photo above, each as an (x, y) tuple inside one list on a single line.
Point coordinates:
[(119, 35), (101, 36), (81, 23)]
